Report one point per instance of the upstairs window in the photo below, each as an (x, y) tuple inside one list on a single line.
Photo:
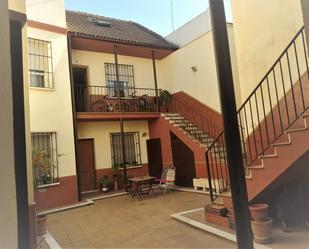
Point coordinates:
[(44, 158), (126, 79), (40, 63), (132, 149)]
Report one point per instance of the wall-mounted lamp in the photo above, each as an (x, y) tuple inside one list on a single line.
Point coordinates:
[(144, 134), (194, 69)]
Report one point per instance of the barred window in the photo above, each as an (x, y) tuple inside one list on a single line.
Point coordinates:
[(44, 158), (126, 79), (132, 148), (40, 63)]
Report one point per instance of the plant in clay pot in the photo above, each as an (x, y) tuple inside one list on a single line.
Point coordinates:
[(261, 223), (105, 183)]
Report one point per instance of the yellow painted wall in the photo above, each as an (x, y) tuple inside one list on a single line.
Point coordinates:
[(175, 73), (100, 132), (51, 110), (8, 209), (50, 11), (262, 29), (143, 71)]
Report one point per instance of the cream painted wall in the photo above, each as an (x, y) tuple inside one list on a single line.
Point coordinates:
[(50, 11), (100, 131), (8, 209), (191, 30), (51, 110), (262, 29), (175, 73), (143, 71)]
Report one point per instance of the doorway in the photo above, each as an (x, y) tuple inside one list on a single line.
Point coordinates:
[(86, 165), (80, 79), (183, 160), (154, 157)]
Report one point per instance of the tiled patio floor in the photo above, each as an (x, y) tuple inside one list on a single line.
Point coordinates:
[(122, 222)]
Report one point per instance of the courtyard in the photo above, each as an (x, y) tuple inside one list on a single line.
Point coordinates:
[(123, 222)]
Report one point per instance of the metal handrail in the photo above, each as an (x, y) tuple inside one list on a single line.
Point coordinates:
[(265, 115)]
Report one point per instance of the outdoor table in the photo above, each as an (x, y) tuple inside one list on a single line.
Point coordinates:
[(142, 186)]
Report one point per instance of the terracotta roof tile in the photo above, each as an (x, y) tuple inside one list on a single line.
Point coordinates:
[(114, 30)]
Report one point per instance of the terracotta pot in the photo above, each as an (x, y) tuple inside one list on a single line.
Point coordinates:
[(259, 212), (262, 231), (41, 224)]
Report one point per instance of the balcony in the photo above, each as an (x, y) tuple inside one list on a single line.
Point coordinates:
[(94, 103)]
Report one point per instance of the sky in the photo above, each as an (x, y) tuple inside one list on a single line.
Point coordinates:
[(154, 14)]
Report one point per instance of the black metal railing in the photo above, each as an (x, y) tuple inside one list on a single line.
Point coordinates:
[(104, 99), (276, 103)]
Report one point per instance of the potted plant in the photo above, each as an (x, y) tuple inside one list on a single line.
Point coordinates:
[(104, 183), (261, 223), (42, 167), (165, 98)]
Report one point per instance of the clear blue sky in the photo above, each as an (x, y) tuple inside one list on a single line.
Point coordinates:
[(154, 14)]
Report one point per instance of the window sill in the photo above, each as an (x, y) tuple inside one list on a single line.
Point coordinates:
[(48, 185), (42, 89), (133, 167)]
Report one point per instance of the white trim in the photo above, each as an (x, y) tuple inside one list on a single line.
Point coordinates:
[(48, 185), (210, 229), (56, 210), (50, 240), (42, 89), (106, 196)]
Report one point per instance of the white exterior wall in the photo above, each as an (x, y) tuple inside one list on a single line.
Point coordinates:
[(190, 31), (175, 71), (51, 109), (100, 132), (47, 11)]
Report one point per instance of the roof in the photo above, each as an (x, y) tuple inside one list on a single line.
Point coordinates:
[(115, 30)]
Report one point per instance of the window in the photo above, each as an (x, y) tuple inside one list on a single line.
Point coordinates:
[(132, 148), (126, 79), (44, 158), (40, 63)]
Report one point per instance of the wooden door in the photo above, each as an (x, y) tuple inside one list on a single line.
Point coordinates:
[(183, 160), (86, 165), (154, 157)]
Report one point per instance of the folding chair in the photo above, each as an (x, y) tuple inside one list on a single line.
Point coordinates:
[(167, 179)]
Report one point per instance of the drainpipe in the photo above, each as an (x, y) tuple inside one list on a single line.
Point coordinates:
[(155, 77), (122, 134), (230, 124), (69, 42)]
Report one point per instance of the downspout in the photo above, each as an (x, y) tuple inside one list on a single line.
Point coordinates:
[(69, 43)]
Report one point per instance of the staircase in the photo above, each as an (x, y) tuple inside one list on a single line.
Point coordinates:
[(274, 131), (190, 129)]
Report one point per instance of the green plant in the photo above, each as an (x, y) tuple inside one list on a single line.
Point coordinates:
[(105, 181), (134, 163), (165, 97), (42, 167), (116, 166)]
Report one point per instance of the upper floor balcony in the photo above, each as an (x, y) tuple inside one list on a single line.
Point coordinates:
[(94, 102)]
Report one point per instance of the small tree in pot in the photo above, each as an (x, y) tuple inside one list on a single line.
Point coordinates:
[(165, 99)]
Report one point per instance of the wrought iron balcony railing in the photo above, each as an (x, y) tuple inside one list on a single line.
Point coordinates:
[(104, 99)]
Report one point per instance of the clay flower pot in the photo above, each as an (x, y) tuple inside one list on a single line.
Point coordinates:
[(259, 212), (262, 231)]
